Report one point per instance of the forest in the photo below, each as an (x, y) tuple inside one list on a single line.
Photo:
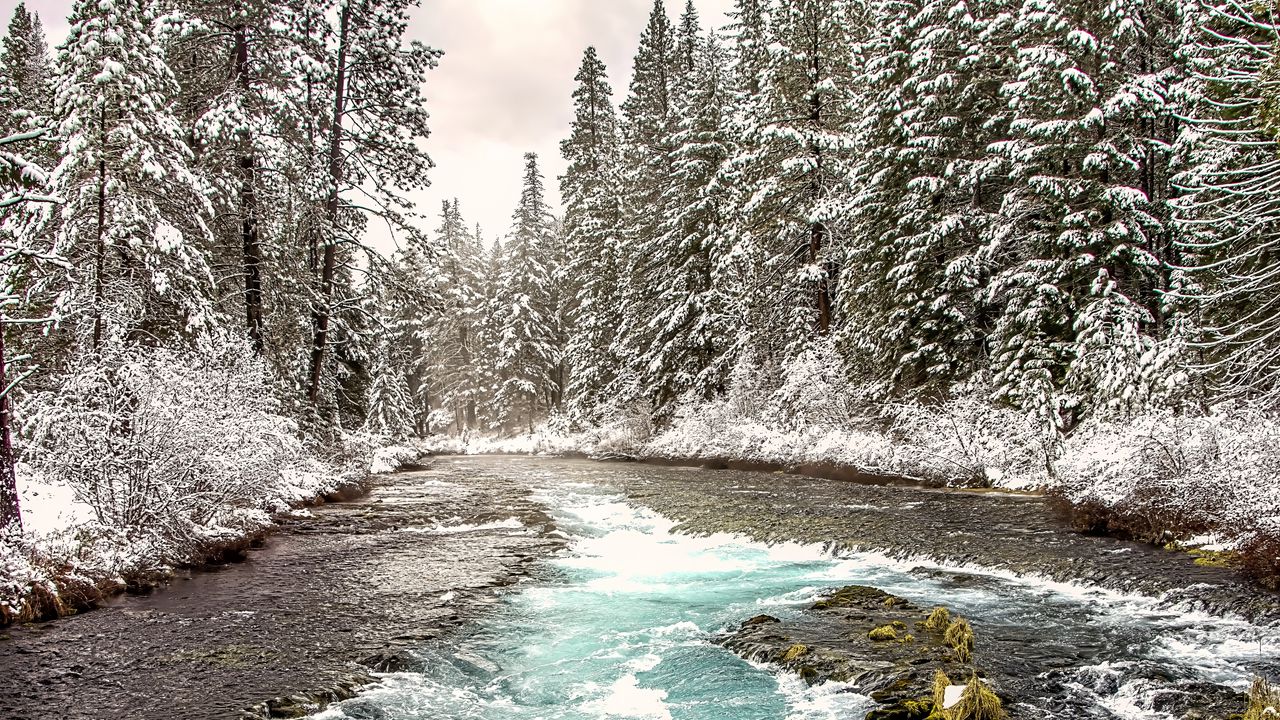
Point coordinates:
[(1020, 243)]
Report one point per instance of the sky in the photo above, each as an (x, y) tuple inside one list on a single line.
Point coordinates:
[(503, 88)]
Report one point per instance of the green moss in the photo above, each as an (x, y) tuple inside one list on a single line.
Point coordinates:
[(1213, 558), (938, 620), (959, 636), (794, 652), (908, 638), (884, 632), (1264, 701), (855, 595)]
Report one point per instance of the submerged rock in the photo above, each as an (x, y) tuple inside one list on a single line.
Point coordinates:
[(880, 644)]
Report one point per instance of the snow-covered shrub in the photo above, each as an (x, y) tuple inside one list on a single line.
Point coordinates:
[(624, 432), (175, 449), (1164, 472), (815, 390), (970, 440)]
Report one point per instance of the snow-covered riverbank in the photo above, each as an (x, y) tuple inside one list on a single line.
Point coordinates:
[(68, 559), (1197, 481)]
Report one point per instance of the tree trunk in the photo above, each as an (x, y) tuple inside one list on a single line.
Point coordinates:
[(817, 239), (328, 267), (100, 261), (249, 233), (10, 511)]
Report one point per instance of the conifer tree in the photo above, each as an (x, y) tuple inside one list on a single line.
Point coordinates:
[(27, 265), (1083, 218), (26, 75), (687, 343), (526, 351), (926, 194), (793, 166), (648, 121), (135, 219), (1230, 218), (593, 213), (376, 115)]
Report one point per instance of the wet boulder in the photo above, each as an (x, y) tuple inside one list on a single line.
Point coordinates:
[(880, 644)]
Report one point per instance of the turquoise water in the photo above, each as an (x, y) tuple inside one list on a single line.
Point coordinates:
[(622, 630)]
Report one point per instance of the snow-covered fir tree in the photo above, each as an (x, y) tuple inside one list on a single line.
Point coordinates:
[(527, 356), (1084, 238), (26, 76), (689, 341), (590, 191), (1231, 214), (925, 195), (135, 218), (376, 115), (794, 165)]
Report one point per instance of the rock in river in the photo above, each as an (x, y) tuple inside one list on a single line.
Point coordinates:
[(880, 644)]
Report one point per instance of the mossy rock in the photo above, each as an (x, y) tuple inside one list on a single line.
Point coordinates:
[(857, 596), (883, 633), (959, 636), (794, 652), (938, 620)]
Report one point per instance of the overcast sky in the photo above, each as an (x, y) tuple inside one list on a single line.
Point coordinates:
[(503, 87)]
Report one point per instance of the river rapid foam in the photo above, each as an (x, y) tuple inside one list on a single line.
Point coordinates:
[(621, 628)]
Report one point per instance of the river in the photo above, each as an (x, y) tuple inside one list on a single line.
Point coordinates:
[(617, 580)]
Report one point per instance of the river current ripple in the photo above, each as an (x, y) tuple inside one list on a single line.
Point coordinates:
[(621, 623)]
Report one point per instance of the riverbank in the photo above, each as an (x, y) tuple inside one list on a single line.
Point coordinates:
[(340, 592), (1200, 483), (68, 561)]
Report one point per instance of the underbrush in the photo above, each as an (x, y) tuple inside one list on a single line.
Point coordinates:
[(144, 460), (1184, 479)]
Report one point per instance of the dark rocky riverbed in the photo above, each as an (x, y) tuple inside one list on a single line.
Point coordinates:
[(1069, 625), (350, 582)]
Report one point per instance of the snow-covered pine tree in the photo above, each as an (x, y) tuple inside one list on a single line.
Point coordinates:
[(648, 120), (25, 266), (590, 192), (526, 352), (252, 129), (376, 115), (926, 194), (1085, 224), (391, 410), (26, 78), (135, 219), (1231, 215), (793, 165), (492, 315), (689, 339), (453, 329)]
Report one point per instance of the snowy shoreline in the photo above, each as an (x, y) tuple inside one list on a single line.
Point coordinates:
[(1186, 483), (66, 564)]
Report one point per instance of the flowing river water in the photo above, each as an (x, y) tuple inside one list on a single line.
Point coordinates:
[(629, 573)]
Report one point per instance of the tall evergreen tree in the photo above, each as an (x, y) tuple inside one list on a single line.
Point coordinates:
[(376, 115), (1084, 225), (527, 354), (26, 75), (648, 121), (926, 194), (794, 165), (591, 195), (687, 343), (135, 218)]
